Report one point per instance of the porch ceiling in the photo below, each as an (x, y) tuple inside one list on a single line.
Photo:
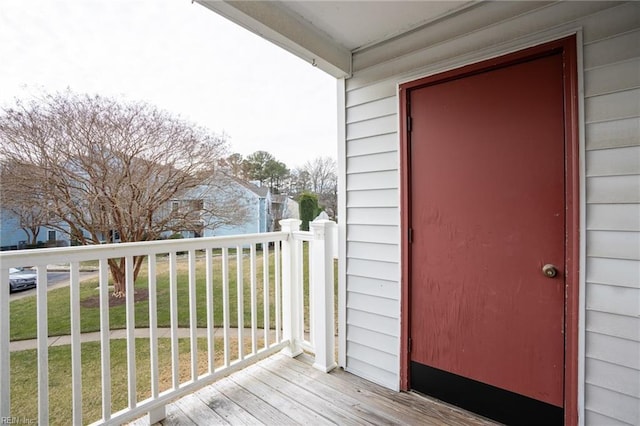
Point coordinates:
[(326, 33)]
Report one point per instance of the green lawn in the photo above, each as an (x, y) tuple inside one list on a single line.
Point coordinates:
[(24, 380), (23, 326), (23, 311)]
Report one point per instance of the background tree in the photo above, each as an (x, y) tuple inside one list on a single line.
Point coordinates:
[(277, 175), (256, 165), (309, 209), (322, 174), (27, 207), (235, 165), (264, 168), (299, 182), (104, 167), (320, 177)]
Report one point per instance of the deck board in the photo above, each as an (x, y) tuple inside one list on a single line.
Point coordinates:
[(405, 404), (257, 407), (310, 400), (284, 391), (364, 409), (289, 406), (398, 407), (177, 417), (198, 412), (226, 408)]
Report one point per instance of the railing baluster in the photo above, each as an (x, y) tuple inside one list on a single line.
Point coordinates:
[(278, 294), (43, 354), (283, 290), (210, 312), (76, 354), (173, 302), (291, 292), (254, 301), (265, 292), (5, 354), (225, 303), (131, 329), (158, 413), (105, 348), (153, 325), (310, 290), (321, 281), (193, 319), (298, 289), (240, 291)]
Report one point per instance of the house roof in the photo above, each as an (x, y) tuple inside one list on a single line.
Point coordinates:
[(221, 178), (327, 33), (260, 191), (280, 198)]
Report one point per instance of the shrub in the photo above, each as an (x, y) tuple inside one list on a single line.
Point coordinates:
[(309, 209)]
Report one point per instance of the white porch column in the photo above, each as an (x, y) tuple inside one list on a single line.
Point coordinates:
[(291, 289), (322, 282)]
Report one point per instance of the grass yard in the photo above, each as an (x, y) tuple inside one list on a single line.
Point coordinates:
[(23, 326), (24, 380), (23, 311)]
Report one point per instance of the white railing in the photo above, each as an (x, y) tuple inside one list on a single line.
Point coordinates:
[(283, 311)]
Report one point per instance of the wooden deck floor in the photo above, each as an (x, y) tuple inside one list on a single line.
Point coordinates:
[(284, 391)]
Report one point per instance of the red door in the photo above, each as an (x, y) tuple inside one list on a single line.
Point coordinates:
[(487, 213)]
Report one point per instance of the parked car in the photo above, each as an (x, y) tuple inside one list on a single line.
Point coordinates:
[(21, 279)]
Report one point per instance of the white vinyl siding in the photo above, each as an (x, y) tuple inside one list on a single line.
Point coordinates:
[(611, 78), (612, 162), (374, 216), (372, 266), (628, 217), (614, 134), (612, 117)]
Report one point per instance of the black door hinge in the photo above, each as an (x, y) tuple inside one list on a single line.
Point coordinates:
[(409, 124), (410, 235), (409, 345)]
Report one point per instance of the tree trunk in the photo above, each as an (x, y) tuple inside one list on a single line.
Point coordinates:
[(119, 274), (32, 235)]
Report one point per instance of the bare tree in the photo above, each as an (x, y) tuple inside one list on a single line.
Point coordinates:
[(322, 174), (234, 165), (320, 177), (218, 200), (106, 168), (299, 181), (27, 207)]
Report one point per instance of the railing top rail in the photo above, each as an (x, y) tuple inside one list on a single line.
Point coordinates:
[(302, 235), (106, 251), (286, 283)]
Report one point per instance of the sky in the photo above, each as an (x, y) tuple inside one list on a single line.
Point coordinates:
[(178, 56)]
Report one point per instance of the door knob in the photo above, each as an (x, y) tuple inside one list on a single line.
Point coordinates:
[(549, 270)]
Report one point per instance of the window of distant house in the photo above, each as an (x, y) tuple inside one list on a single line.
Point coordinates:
[(52, 236), (175, 205), (114, 235), (197, 204)]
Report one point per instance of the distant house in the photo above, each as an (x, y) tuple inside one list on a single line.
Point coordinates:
[(227, 205), (224, 205), (283, 207), (13, 237)]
